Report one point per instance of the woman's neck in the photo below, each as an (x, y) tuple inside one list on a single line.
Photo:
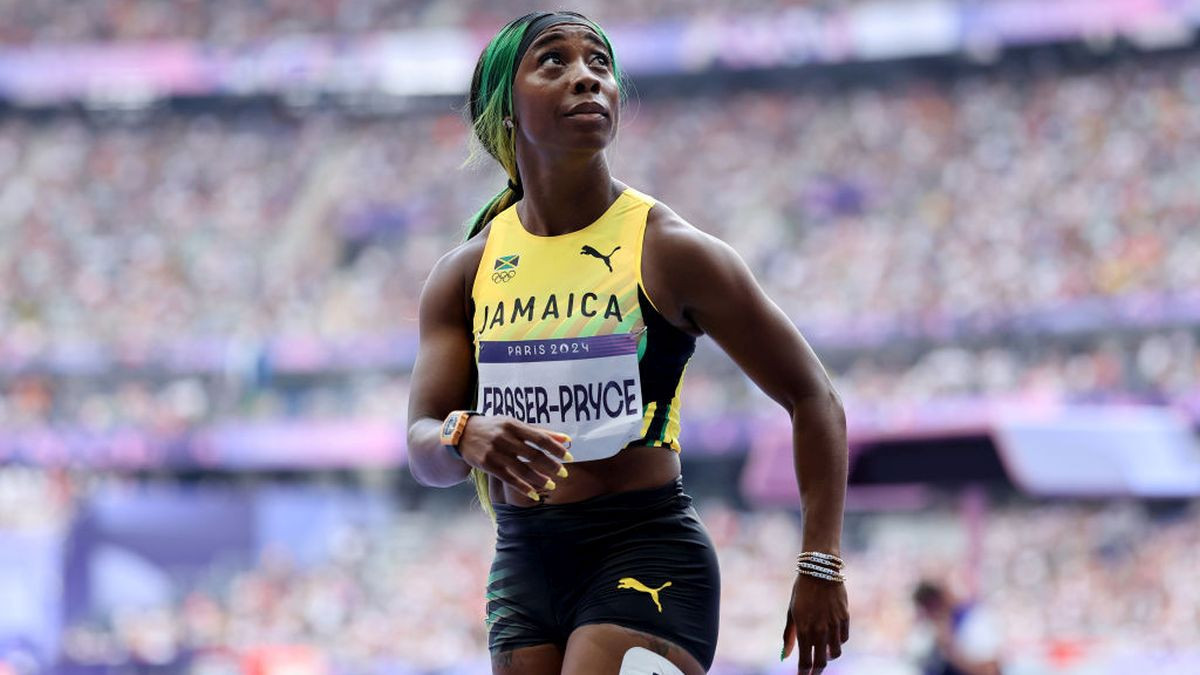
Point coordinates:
[(566, 194)]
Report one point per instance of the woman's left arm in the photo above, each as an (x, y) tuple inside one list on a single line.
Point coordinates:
[(701, 283)]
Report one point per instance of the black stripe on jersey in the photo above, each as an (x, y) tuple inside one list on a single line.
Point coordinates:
[(661, 366)]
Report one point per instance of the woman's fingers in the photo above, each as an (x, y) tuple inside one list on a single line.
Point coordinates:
[(529, 467), (524, 457), (817, 645), (556, 443), (549, 450), (541, 462), (789, 635), (511, 478), (813, 652), (835, 648), (540, 481), (817, 620), (804, 645)]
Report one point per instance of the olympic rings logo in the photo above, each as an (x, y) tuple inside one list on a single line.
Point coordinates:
[(503, 275)]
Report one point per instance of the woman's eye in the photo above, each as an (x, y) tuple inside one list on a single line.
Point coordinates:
[(551, 56), (601, 59)]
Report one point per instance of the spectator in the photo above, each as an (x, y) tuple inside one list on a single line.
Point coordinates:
[(962, 638)]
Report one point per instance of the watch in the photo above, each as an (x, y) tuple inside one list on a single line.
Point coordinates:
[(452, 430)]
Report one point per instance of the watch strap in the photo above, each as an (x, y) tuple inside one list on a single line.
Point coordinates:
[(453, 428)]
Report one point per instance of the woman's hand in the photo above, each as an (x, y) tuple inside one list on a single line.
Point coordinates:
[(818, 620), (511, 450)]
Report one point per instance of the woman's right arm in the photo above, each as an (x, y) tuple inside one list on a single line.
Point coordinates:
[(441, 383), (441, 377)]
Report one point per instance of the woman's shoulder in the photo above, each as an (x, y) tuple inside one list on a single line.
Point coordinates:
[(671, 236), (662, 216), (681, 263)]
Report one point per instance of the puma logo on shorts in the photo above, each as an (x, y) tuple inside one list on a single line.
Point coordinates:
[(634, 584)]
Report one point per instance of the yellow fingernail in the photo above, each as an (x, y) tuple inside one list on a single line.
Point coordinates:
[(550, 484), (562, 472), (532, 494), (569, 457)]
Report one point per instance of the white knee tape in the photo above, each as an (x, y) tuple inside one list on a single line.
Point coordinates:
[(642, 661)]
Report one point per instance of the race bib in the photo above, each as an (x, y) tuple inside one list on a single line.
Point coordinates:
[(586, 387)]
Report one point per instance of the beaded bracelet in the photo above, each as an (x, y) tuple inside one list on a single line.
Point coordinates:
[(821, 566), (822, 559), (816, 570), (827, 577)]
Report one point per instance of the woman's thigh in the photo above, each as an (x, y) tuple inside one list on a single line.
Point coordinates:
[(544, 659), (599, 649), (659, 581)]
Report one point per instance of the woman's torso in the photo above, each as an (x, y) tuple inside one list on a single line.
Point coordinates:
[(566, 338)]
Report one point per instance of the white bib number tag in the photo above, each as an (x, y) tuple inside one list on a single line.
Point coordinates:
[(588, 388)]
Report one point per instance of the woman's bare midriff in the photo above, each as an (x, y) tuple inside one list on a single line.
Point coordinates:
[(634, 468)]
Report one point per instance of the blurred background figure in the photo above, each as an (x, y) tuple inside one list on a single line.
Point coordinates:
[(216, 216), (960, 636)]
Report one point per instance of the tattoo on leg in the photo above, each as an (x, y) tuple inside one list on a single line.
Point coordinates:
[(502, 659), (658, 646), (653, 643)]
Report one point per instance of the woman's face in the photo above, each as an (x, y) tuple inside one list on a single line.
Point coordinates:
[(565, 94)]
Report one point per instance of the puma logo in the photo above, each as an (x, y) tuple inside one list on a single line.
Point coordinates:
[(634, 584), (588, 250)]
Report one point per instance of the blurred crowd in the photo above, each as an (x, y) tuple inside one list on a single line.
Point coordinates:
[(408, 595), (914, 206), (1066, 584), (1161, 368), (990, 198), (237, 22), (965, 239), (940, 211)]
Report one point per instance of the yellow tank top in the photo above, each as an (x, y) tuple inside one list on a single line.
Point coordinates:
[(566, 338)]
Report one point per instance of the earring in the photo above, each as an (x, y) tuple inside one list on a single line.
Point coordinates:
[(508, 122)]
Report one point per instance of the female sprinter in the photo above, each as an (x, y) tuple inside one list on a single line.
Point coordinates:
[(552, 346)]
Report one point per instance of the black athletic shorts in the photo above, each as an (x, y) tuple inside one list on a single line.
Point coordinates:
[(639, 559)]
